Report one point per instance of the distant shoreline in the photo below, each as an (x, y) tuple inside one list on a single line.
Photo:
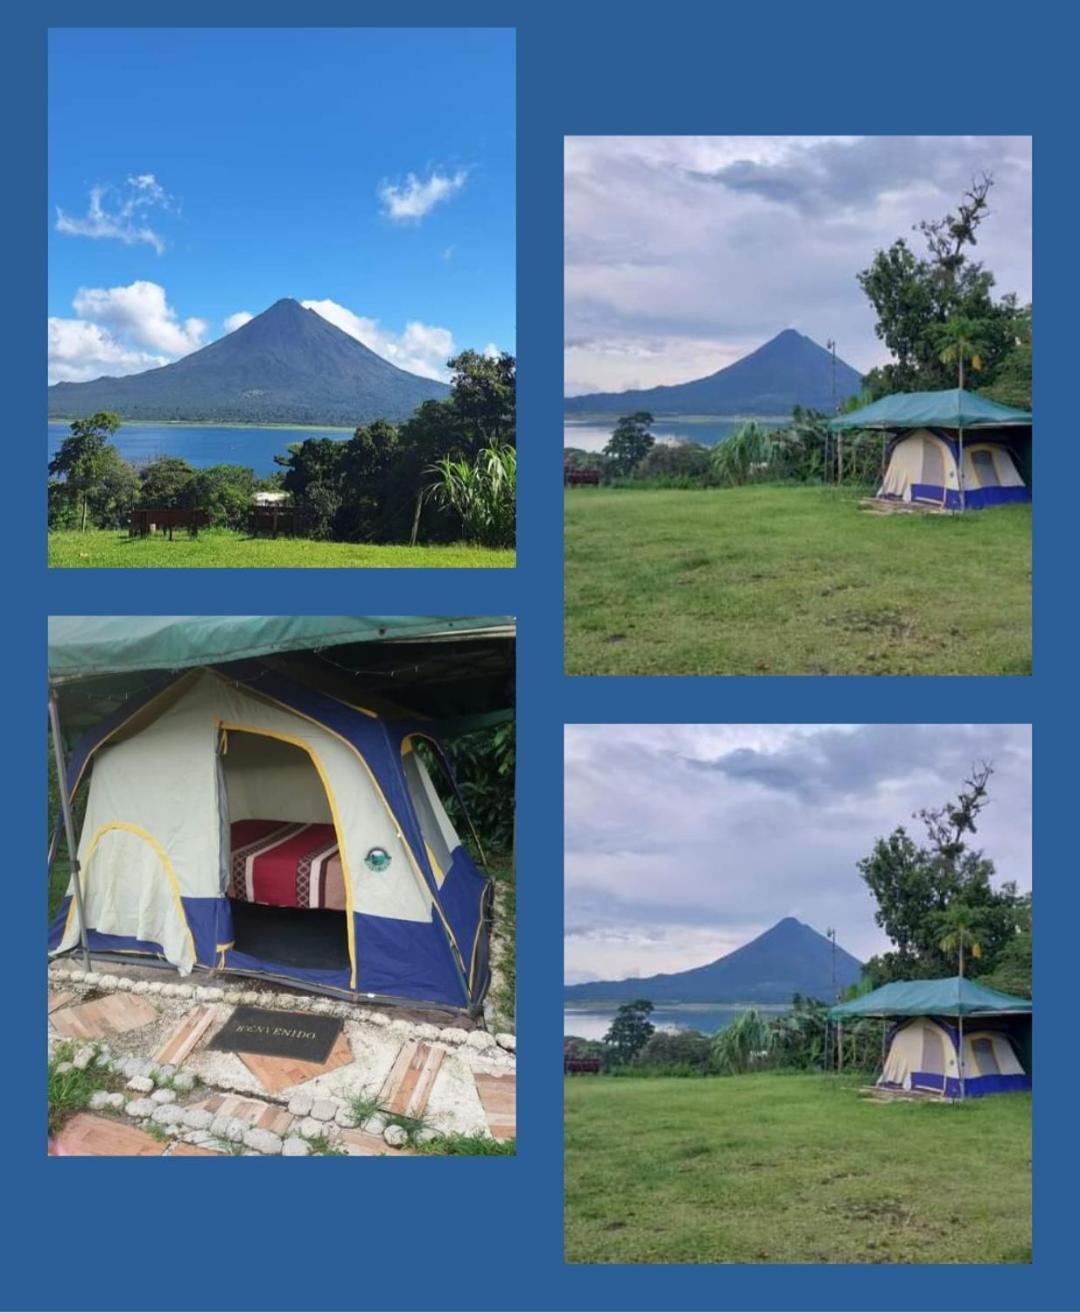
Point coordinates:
[(211, 424), (611, 1005)]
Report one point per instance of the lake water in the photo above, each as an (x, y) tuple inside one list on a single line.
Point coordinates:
[(591, 432), (204, 444), (593, 1023)]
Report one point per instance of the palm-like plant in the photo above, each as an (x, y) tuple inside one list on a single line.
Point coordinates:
[(960, 927), (747, 451), (959, 341), (743, 1044), (483, 493)]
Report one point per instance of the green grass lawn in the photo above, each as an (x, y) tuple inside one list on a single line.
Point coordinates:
[(107, 548), (776, 1168), (791, 581)]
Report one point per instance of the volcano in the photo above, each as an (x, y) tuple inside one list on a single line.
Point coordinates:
[(285, 366), (790, 958), (789, 370)]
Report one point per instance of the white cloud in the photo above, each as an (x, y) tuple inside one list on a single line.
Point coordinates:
[(493, 351), (412, 199), (118, 212), (232, 322), (79, 351), (119, 330), (421, 349), (141, 313)]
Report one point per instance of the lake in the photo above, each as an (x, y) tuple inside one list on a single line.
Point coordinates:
[(591, 432), (204, 444), (593, 1023)]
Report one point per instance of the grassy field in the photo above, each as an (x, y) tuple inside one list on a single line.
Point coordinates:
[(222, 548), (775, 1168), (791, 580)]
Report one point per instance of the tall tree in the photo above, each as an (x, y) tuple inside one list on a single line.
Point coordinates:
[(630, 442), (629, 1032), (85, 456), (960, 928)]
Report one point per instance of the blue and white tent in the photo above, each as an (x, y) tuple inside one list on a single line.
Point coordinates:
[(952, 449), (175, 772)]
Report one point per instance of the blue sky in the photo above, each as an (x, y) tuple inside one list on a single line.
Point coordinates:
[(200, 174)]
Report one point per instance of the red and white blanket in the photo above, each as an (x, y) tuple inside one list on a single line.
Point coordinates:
[(285, 864)]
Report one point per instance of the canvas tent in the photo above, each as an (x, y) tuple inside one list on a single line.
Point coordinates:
[(952, 449), (251, 808), (952, 1037)]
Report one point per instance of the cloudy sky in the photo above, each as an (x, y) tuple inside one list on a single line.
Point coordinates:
[(685, 841), (368, 172), (685, 253)]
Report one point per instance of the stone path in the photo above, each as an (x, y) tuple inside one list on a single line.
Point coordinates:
[(389, 1083)]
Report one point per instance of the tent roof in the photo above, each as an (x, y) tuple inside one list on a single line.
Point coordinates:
[(457, 670), (954, 996), (83, 647), (952, 409)]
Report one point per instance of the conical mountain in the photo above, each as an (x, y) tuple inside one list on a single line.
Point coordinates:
[(790, 958), (789, 370), (286, 366)]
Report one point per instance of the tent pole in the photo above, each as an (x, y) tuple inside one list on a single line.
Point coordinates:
[(54, 840), (961, 1056), (69, 824), (960, 470)]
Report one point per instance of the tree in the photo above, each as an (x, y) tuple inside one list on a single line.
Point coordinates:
[(630, 442), (165, 481), (224, 492), (1012, 382), (482, 493), (676, 461), (960, 927), (914, 297), (629, 1032), (85, 456), (960, 340), (915, 885)]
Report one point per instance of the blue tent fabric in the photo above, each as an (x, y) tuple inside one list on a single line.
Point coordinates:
[(954, 408), (429, 962)]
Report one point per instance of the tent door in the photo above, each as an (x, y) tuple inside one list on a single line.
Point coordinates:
[(282, 875)]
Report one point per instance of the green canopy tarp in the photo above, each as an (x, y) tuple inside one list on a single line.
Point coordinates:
[(954, 408), (85, 647), (954, 996)]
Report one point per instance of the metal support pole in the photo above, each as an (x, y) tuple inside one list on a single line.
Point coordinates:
[(960, 470), (69, 823), (54, 840), (960, 1056)]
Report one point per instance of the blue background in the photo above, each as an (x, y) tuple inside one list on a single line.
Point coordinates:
[(449, 1234)]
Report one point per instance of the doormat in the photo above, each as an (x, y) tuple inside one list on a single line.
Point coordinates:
[(278, 1034)]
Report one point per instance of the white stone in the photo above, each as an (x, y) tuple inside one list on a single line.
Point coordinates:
[(83, 1057), (345, 1118), (309, 1128), (401, 1027), (98, 1100), (249, 996), (141, 1084), (198, 1118), (154, 987), (124, 983), (209, 993), (453, 1035), (219, 1127), (480, 1040), (323, 1110), (140, 987), (76, 975), (426, 1031), (378, 1019), (426, 1135), (116, 1101), (395, 1137), (185, 991), (165, 1072), (62, 1068), (184, 1081), (91, 978), (375, 1125), (295, 1147), (300, 1105), (141, 1108), (506, 1041), (167, 1114), (262, 1141), (164, 1096), (102, 1058), (108, 982), (236, 1129)]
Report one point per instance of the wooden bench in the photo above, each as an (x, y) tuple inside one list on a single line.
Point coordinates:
[(574, 478), (270, 521)]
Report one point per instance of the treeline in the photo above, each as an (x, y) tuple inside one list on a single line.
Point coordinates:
[(448, 472)]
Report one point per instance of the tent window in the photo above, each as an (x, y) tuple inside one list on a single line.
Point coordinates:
[(985, 1057), (435, 802), (983, 461), (933, 1053), (933, 466)]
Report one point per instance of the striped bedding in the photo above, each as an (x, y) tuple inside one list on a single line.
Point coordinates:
[(286, 864)]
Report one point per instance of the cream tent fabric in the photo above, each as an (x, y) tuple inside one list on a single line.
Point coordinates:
[(923, 467), (923, 1048), (154, 824)]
